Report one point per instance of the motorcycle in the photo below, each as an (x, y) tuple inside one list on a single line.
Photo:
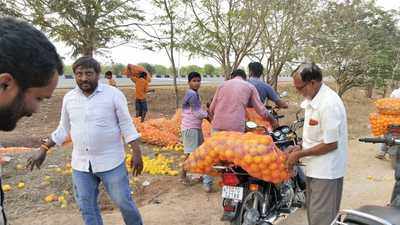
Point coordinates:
[(250, 201), (371, 214)]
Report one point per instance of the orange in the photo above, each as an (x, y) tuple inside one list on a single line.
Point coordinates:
[(262, 166), (208, 161), (257, 159), (247, 159), (267, 159), (273, 156), (284, 175), (254, 168), (276, 174), (273, 166), (229, 154), (266, 173)]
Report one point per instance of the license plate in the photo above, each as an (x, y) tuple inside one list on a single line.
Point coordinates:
[(231, 192)]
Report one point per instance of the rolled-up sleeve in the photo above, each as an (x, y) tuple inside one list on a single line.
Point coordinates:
[(125, 122), (330, 124), (59, 136)]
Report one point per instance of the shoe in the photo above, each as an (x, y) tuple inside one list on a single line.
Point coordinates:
[(380, 156)]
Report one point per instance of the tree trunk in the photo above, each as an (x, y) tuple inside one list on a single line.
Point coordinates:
[(385, 91), (369, 90), (88, 51), (227, 71)]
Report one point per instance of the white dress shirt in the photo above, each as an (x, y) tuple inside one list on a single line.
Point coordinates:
[(325, 121), (97, 124)]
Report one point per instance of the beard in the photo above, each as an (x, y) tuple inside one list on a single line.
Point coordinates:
[(88, 86), (10, 114)]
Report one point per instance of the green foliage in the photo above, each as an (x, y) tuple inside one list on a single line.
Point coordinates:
[(84, 25)]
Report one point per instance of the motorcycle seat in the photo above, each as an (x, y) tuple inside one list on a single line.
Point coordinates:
[(390, 214)]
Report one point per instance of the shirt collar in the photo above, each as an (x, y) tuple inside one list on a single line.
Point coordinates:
[(254, 78), (100, 88), (316, 101)]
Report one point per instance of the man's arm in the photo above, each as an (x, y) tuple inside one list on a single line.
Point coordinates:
[(129, 131), (282, 104), (256, 103), (59, 136), (273, 96), (195, 107), (213, 104), (125, 122)]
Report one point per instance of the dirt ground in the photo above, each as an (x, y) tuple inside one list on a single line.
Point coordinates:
[(165, 200)]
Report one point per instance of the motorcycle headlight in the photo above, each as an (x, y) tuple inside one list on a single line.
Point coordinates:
[(285, 130), (277, 134)]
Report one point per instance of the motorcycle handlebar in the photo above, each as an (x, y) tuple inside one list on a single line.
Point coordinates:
[(373, 140)]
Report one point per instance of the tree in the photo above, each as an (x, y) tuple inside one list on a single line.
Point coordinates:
[(210, 69), (84, 25), (118, 68), (164, 33), (185, 70), (150, 68), (341, 45), (225, 30), (282, 37), (160, 69), (384, 40)]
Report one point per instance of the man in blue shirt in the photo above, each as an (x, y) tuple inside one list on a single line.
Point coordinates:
[(265, 90)]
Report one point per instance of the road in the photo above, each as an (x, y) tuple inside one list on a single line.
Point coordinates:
[(70, 83)]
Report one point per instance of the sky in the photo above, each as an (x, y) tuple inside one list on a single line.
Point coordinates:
[(126, 54)]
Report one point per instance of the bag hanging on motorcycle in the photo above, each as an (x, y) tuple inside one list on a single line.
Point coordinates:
[(257, 154)]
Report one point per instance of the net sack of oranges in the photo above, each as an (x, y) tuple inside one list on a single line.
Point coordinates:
[(155, 134), (388, 106), (257, 154), (388, 114), (380, 123), (252, 115)]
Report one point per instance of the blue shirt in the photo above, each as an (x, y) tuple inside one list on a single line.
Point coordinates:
[(265, 90)]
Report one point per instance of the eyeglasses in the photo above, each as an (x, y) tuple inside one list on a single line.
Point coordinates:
[(302, 87)]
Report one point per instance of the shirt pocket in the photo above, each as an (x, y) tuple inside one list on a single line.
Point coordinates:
[(314, 127)]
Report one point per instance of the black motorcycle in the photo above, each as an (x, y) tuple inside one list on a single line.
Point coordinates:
[(378, 215), (251, 201)]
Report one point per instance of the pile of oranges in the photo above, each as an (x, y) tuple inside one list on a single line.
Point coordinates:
[(388, 114), (257, 154), (155, 135)]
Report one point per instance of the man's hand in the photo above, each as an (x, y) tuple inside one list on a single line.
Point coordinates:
[(294, 156), (274, 123), (137, 164), (136, 161), (37, 159)]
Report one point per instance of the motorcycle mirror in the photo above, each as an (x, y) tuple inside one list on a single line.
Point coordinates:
[(251, 124), (284, 94)]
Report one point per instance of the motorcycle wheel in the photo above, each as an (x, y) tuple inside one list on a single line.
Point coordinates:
[(246, 205)]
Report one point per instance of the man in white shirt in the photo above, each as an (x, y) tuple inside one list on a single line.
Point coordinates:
[(29, 70), (97, 117), (324, 144)]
